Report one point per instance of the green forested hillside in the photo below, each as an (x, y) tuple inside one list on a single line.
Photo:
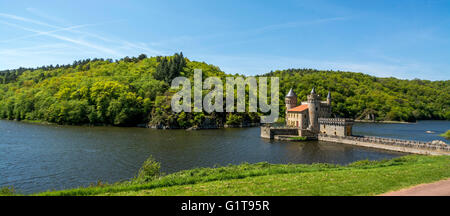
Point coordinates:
[(129, 91), (134, 91)]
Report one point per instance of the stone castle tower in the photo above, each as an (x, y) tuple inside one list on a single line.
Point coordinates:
[(290, 100), (313, 110), (306, 115)]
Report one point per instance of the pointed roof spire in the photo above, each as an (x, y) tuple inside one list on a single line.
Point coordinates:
[(329, 95), (313, 91), (291, 93)]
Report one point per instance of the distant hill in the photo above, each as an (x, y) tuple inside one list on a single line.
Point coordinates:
[(135, 90)]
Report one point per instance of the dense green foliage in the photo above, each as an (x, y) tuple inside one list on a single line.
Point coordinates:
[(359, 178), (169, 68), (133, 91)]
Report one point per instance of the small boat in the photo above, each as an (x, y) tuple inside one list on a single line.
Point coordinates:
[(430, 132)]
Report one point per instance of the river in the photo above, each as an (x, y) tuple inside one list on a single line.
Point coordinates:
[(35, 157)]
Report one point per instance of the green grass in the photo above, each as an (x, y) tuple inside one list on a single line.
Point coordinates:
[(446, 135), (359, 178)]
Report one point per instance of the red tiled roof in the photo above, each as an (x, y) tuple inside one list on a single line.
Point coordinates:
[(300, 108)]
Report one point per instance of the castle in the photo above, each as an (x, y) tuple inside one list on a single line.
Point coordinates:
[(312, 120), (313, 117)]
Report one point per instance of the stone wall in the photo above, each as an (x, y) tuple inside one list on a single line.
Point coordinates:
[(409, 146), (307, 133), (336, 126), (270, 132), (336, 130)]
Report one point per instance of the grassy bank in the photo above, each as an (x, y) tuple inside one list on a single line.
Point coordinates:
[(359, 178)]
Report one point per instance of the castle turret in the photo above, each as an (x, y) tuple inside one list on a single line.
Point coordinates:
[(313, 109), (290, 100), (329, 98)]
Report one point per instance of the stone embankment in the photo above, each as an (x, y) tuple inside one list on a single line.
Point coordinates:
[(272, 132), (408, 146)]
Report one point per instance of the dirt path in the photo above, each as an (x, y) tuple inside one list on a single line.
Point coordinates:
[(440, 188)]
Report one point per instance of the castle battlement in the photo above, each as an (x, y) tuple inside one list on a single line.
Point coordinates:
[(336, 121)]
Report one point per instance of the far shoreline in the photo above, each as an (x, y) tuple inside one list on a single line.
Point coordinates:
[(146, 126), (247, 125)]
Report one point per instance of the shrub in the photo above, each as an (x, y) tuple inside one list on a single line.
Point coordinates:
[(7, 191), (234, 119), (149, 170)]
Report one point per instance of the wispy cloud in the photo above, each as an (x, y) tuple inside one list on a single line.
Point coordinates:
[(44, 33), (44, 15), (18, 18), (123, 43), (83, 41), (67, 39)]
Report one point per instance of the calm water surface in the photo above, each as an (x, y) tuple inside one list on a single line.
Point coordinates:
[(36, 158), (413, 131)]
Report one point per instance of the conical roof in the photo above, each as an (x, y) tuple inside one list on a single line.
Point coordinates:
[(291, 93), (313, 91), (329, 95)]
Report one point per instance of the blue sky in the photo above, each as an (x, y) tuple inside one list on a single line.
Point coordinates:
[(405, 39)]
